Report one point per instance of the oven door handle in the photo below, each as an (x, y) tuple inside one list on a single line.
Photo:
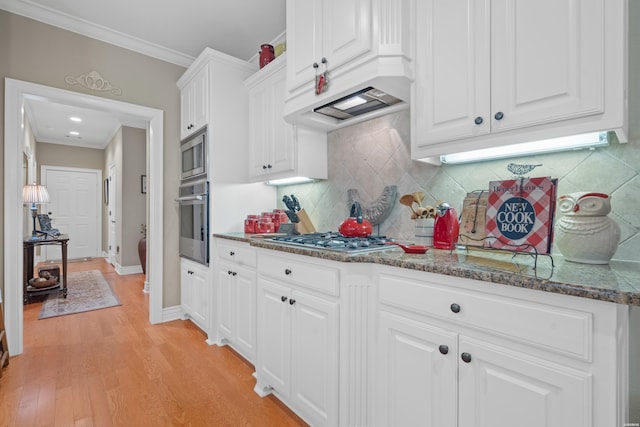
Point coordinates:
[(191, 198)]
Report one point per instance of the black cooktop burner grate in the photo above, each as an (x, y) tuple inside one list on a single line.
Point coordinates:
[(336, 242)]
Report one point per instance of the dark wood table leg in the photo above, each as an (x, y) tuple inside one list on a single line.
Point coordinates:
[(64, 269), (27, 265)]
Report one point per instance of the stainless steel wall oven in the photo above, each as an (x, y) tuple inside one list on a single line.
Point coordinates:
[(194, 220)]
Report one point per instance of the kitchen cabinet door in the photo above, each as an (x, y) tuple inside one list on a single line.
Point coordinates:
[(237, 308), (226, 301), (453, 67), (544, 55), (195, 293), (187, 294), (278, 149), (194, 104), (337, 30), (346, 30), (499, 387), (304, 42), (274, 336), (417, 371), (245, 326), (314, 358), (271, 139)]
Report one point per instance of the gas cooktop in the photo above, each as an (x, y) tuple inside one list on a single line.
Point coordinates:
[(333, 241)]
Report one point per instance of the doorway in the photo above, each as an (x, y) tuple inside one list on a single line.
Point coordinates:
[(15, 94)]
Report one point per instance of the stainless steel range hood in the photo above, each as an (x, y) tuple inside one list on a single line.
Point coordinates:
[(354, 97), (361, 102), (360, 90)]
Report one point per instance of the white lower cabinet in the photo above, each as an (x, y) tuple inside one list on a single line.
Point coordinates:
[(356, 344), (237, 308), (434, 377), (448, 356), (500, 387), (417, 373), (236, 296), (298, 333), (194, 292)]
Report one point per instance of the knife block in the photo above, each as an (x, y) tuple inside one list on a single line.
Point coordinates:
[(305, 225)]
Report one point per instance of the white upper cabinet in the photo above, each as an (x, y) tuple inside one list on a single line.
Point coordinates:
[(212, 93), (358, 43), (336, 30), (194, 103), (278, 149), (496, 72)]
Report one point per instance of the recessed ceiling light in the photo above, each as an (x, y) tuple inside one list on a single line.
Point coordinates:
[(74, 133), (75, 119)]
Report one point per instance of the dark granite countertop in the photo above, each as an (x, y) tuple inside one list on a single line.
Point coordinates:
[(618, 282)]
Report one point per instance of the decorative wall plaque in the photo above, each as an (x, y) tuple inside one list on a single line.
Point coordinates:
[(94, 81)]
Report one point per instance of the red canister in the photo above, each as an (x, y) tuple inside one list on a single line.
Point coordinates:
[(282, 215), (266, 54), (250, 224), (265, 225)]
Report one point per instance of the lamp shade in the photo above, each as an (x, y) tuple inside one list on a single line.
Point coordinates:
[(34, 193)]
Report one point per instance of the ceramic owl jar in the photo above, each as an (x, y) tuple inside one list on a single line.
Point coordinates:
[(585, 233)]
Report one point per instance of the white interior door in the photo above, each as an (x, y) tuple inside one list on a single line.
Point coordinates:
[(111, 211), (74, 209)]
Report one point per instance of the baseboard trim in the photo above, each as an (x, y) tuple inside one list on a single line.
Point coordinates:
[(172, 313), (132, 269)]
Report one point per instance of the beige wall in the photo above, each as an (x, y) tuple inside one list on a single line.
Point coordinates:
[(67, 156), (133, 201), (127, 151), (42, 54)]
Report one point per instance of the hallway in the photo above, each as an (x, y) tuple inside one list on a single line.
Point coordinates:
[(111, 367)]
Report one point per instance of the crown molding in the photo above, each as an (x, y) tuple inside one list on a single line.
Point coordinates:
[(67, 22)]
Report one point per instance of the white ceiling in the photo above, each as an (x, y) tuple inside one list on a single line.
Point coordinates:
[(174, 31), (51, 122)]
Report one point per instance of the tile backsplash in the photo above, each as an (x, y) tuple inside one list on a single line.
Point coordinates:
[(371, 155)]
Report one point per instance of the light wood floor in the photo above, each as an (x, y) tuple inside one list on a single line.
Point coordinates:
[(111, 367)]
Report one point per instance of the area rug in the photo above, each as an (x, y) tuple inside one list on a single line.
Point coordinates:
[(86, 291)]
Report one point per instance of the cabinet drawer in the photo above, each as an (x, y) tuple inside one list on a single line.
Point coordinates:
[(237, 252), (293, 271), (551, 327)]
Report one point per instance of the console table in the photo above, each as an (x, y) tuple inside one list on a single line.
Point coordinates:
[(29, 246)]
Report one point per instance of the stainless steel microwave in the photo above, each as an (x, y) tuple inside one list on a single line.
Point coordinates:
[(194, 155)]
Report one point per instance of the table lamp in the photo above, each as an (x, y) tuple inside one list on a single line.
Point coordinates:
[(36, 195)]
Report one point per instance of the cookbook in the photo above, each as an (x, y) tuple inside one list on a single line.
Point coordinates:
[(520, 214)]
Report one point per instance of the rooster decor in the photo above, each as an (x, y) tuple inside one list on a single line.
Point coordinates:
[(378, 210)]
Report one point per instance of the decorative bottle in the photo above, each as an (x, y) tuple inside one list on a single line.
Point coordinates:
[(266, 54)]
